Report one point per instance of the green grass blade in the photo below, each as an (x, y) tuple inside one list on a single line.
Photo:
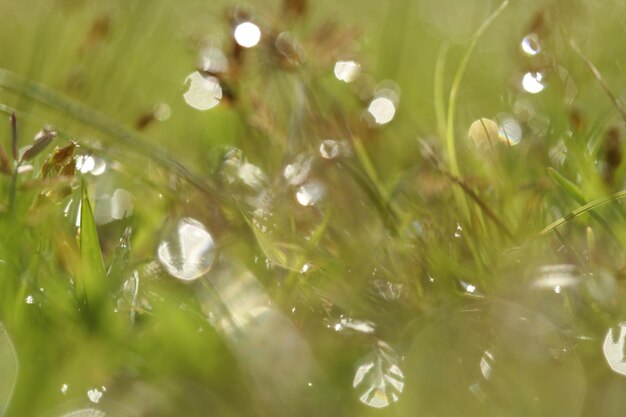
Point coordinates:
[(583, 209), (569, 187), (93, 275), (8, 369)]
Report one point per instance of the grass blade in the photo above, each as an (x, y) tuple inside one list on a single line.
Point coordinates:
[(8, 369)]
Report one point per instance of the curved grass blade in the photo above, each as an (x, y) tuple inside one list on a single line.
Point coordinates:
[(8, 369), (583, 209)]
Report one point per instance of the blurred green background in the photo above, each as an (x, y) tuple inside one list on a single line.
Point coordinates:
[(417, 272)]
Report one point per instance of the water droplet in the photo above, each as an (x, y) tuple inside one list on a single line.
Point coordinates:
[(531, 44), (531, 82), (382, 110), (90, 164), (204, 92), (613, 349), (458, 231), (558, 153), (162, 112), (94, 395), (310, 193), (188, 252), (29, 299), (330, 149), (213, 60), (379, 377), (252, 175), (115, 207), (388, 290), (347, 71), (510, 131), (347, 323), (64, 389), (247, 34), (483, 132), (298, 171)]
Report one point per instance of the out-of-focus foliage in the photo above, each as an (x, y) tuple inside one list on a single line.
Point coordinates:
[(396, 208)]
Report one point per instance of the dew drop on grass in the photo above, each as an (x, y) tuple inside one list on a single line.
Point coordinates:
[(530, 44), (613, 349), (204, 92), (483, 132), (94, 395), (310, 193), (532, 82), (330, 149), (188, 250), (298, 171), (379, 380), (247, 34), (347, 71), (213, 60), (348, 324), (510, 131), (381, 110), (90, 164)]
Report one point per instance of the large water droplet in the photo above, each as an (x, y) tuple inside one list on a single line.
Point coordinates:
[(247, 34), (188, 252), (347, 71), (204, 92), (483, 132), (379, 378), (613, 349)]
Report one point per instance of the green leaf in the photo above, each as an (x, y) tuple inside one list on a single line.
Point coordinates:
[(8, 369)]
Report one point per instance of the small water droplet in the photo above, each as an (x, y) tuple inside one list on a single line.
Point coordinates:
[(29, 299), (94, 395), (613, 349), (64, 389), (310, 193), (298, 171), (531, 44), (330, 149), (204, 92), (347, 71), (247, 34), (188, 252), (458, 231)]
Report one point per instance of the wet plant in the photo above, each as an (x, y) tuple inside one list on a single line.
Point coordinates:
[(299, 208)]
